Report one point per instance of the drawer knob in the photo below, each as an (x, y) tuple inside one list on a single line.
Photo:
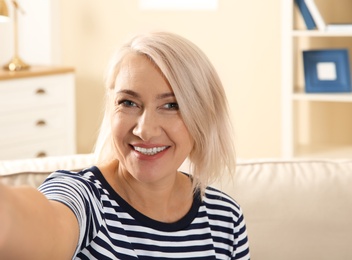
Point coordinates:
[(40, 91), (41, 154), (40, 123)]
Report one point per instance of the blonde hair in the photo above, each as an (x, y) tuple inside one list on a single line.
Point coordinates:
[(199, 93)]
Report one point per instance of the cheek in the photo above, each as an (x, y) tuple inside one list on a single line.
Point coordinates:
[(120, 133), (183, 134), (190, 142), (120, 127)]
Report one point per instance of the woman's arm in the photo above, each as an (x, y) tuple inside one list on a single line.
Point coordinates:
[(32, 227)]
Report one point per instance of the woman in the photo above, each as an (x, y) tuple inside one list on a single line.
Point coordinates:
[(164, 103)]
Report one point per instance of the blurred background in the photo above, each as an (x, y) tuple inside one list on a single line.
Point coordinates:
[(241, 38)]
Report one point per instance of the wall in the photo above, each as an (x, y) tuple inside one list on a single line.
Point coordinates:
[(242, 38)]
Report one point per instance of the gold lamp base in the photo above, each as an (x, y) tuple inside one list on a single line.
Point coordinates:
[(16, 64)]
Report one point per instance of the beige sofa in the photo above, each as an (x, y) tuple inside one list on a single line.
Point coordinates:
[(295, 210)]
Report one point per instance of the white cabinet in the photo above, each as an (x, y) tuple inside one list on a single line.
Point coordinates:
[(37, 113), (313, 125)]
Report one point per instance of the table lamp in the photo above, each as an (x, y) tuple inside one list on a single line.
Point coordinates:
[(4, 13), (16, 62)]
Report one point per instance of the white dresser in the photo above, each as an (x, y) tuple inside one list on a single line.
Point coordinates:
[(37, 113)]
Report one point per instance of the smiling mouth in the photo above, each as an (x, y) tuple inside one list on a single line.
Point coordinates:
[(150, 151)]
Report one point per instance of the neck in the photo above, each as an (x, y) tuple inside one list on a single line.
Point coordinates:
[(166, 201)]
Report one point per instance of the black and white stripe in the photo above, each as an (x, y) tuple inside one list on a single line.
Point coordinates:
[(110, 228)]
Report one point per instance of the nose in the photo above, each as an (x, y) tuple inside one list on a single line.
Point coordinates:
[(147, 126)]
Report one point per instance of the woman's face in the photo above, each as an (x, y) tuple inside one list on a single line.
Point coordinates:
[(149, 134)]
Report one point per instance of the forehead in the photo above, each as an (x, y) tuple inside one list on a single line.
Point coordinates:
[(138, 71)]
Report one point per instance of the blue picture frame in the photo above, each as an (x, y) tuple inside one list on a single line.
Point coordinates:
[(327, 71)]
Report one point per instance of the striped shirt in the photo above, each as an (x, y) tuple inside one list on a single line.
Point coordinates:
[(110, 228)]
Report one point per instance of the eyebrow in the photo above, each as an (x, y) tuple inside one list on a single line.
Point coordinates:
[(136, 95), (165, 95), (128, 92)]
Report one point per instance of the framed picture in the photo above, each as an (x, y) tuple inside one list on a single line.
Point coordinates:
[(327, 71)]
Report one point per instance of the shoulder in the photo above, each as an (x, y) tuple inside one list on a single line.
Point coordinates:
[(79, 182), (221, 203), (88, 175), (226, 219)]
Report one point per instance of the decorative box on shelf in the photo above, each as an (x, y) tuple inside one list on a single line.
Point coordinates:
[(37, 112), (327, 71)]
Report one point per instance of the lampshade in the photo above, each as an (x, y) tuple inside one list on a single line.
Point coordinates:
[(4, 12)]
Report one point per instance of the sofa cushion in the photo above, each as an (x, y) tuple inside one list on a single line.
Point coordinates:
[(33, 179), (297, 209), (34, 171)]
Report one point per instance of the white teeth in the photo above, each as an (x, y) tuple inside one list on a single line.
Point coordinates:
[(150, 151)]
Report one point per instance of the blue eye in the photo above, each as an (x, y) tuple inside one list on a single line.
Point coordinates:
[(127, 103), (172, 106)]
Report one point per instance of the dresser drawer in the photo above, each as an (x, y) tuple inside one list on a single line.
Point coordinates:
[(46, 147), (37, 112), (34, 124), (35, 92)]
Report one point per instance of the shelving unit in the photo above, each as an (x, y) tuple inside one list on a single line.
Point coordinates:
[(313, 125)]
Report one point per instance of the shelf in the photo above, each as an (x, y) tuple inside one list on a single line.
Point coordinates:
[(305, 113), (316, 33), (324, 97)]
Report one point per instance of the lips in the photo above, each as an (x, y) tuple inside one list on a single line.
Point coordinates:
[(149, 151)]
